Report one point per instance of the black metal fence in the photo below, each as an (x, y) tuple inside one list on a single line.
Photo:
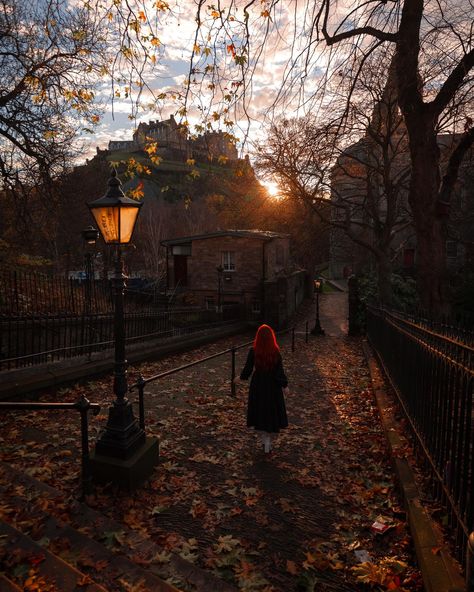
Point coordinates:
[(431, 365), (27, 293), (38, 338)]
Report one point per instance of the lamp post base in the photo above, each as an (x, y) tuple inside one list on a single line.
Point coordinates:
[(129, 473)]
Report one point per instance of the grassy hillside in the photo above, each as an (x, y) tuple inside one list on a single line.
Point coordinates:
[(174, 180)]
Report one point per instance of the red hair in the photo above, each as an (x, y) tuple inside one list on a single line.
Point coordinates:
[(266, 348)]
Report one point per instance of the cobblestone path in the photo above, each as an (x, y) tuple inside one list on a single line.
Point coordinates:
[(293, 520)]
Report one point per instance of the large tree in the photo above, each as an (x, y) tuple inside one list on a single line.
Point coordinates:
[(432, 44)]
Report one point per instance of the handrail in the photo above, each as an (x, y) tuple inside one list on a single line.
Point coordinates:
[(145, 381), (179, 368), (82, 405), (142, 382), (170, 298)]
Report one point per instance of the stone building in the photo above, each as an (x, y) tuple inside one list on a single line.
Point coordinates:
[(174, 142), (212, 146), (349, 185), (251, 268), (170, 136), (117, 145)]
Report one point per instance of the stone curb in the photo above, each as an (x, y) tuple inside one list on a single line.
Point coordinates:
[(15, 383), (440, 571)]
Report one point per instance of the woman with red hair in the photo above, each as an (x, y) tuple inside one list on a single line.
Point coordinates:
[(266, 411)]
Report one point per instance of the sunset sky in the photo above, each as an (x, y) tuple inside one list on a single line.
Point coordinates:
[(176, 33)]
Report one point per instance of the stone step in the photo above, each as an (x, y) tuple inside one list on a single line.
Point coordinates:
[(84, 521), (6, 585), (32, 561)]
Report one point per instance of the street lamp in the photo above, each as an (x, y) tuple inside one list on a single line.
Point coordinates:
[(220, 271), (89, 236), (123, 454), (318, 287)]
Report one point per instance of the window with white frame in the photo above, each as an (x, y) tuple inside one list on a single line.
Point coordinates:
[(228, 260)]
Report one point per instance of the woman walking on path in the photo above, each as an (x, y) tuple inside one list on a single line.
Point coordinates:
[(266, 411)]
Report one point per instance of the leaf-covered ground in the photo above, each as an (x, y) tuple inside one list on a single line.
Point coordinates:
[(302, 518)]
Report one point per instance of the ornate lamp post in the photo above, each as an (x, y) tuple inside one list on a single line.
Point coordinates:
[(220, 271), (317, 329), (123, 454), (89, 236)]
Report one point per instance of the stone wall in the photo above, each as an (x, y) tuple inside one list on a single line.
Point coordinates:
[(283, 297)]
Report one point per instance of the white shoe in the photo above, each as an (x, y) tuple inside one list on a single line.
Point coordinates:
[(267, 444)]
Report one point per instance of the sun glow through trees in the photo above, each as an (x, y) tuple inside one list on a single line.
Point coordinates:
[(273, 189)]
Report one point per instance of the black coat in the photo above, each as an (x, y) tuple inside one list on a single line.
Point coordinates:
[(266, 409)]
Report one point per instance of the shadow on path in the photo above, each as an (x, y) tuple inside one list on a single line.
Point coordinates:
[(284, 522)]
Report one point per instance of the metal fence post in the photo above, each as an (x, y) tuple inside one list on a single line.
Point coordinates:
[(293, 339), (141, 404), (470, 564), (83, 406), (306, 333), (232, 372)]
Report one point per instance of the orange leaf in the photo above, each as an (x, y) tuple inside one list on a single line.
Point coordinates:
[(84, 581), (291, 567)]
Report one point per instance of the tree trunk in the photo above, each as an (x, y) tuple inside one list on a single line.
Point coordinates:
[(425, 181), (429, 219), (431, 266), (384, 279)]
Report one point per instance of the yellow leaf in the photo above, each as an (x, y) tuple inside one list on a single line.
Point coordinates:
[(291, 567)]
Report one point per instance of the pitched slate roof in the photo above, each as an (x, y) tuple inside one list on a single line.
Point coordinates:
[(265, 235)]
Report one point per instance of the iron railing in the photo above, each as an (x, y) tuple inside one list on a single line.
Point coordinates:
[(431, 366), (83, 405), (34, 339), (27, 292)]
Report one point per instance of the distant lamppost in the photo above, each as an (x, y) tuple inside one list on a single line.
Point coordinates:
[(89, 236), (220, 271), (123, 454), (318, 287)]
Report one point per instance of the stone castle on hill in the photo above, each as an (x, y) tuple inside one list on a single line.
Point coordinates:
[(174, 142)]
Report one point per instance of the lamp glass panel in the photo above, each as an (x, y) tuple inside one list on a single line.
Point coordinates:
[(116, 224), (107, 220), (128, 217)]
